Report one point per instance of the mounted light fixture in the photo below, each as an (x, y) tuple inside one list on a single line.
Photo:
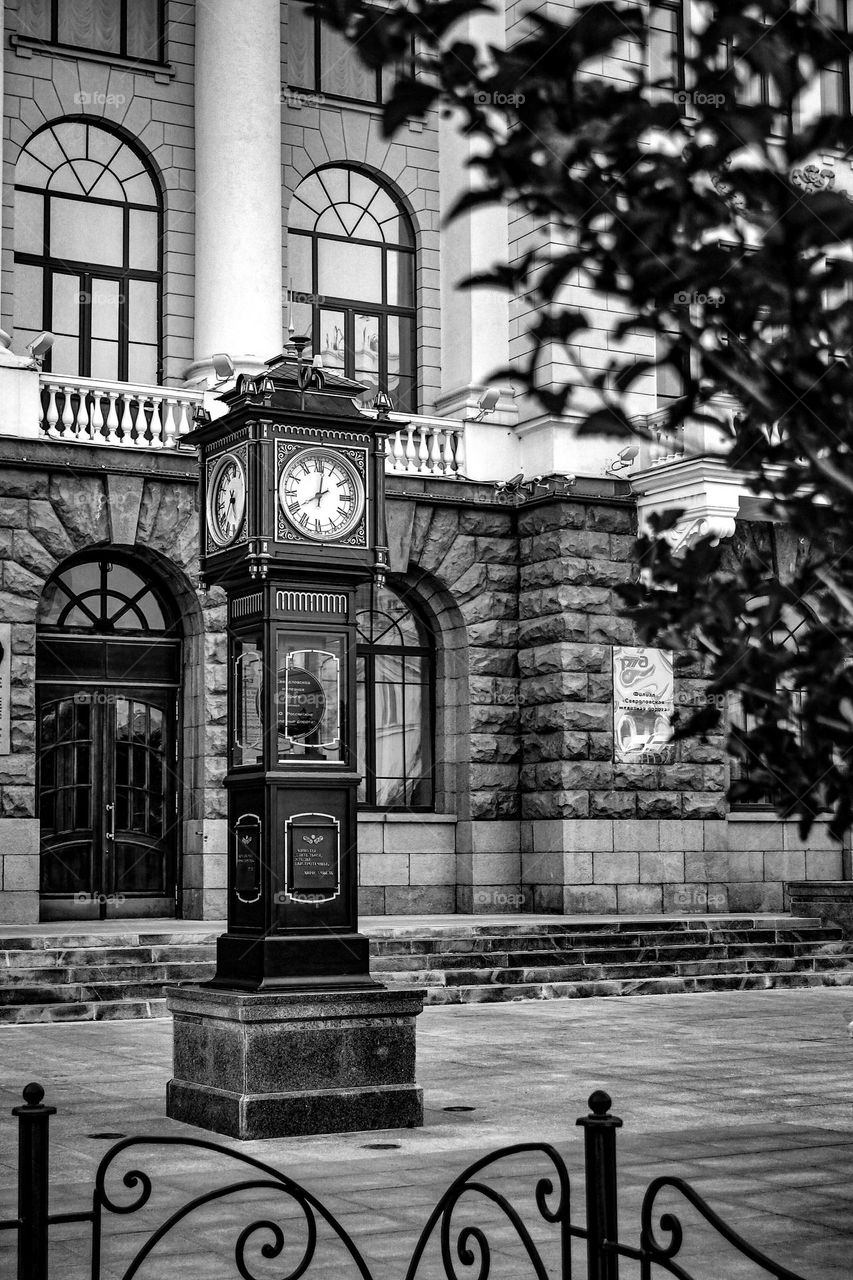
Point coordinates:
[(487, 403), (223, 365), (40, 346), (382, 403)]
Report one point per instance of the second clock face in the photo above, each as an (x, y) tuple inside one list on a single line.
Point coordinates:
[(226, 503), (321, 494)]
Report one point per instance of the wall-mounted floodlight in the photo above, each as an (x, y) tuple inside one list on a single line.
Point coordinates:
[(223, 366), (40, 346), (487, 403)]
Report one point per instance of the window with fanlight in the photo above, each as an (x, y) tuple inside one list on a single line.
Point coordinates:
[(396, 701), (351, 267), (87, 253)]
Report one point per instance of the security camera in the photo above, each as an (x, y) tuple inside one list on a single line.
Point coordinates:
[(623, 459)]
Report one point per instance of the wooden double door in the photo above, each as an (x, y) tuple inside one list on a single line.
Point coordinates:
[(108, 799)]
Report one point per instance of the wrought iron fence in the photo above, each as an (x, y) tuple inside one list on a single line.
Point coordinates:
[(462, 1243)]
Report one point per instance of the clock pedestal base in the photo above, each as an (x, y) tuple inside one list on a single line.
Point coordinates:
[(283, 1063)]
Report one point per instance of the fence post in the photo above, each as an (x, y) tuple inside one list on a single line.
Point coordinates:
[(600, 1158), (33, 1183)]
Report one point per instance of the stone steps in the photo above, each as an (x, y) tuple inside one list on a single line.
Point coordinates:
[(91, 976)]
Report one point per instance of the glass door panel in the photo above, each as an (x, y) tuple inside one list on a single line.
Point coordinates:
[(107, 802)]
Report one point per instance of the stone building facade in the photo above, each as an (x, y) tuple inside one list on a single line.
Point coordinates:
[(514, 588)]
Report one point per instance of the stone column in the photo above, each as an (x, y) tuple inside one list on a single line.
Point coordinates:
[(238, 299), (474, 322)]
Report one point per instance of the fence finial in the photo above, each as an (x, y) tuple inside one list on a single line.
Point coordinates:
[(600, 1103), (33, 1093)]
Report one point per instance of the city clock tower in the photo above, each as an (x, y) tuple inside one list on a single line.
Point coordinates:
[(291, 523)]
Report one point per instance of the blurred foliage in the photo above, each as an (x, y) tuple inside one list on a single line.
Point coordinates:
[(710, 219)]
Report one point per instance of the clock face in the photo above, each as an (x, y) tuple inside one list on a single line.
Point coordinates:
[(321, 494), (226, 500)]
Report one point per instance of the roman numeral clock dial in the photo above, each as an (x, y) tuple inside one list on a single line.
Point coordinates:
[(321, 494), (226, 501)]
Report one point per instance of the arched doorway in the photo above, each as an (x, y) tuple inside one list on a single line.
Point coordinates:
[(107, 685)]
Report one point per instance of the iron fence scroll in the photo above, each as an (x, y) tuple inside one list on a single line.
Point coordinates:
[(466, 1247)]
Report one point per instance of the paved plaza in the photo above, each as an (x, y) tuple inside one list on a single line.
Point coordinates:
[(749, 1095)]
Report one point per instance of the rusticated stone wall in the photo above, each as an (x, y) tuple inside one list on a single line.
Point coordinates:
[(63, 501), (531, 813)]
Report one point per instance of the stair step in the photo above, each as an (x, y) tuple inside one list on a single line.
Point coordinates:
[(87, 976), (83, 1011), (568, 941), (637, 987)]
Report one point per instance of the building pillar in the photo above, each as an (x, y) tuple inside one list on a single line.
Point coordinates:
[(238, 300), (475, 322)]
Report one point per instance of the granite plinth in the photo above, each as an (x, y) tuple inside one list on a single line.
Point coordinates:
[(283, 1063), (830, 900)]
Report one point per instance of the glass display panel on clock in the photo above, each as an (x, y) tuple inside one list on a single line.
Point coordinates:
[(247, 747), (310, 695)]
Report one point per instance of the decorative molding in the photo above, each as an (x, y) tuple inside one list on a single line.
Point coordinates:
[(706, 490)]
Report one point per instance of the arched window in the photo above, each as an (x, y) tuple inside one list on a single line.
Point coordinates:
[(351, 262), (87, 253), (396, 699), (108, 678)]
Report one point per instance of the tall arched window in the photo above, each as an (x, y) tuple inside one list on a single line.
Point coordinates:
[(396, 701), (87, 253), (351, 262)]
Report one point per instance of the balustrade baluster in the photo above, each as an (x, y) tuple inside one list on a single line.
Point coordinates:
[(170, 427), (51, 416), (435, 451), (112, 419), (96, 417), (155, 426), (67, 414), (81, 422), (423, 451), (447, 453), (410, 448)]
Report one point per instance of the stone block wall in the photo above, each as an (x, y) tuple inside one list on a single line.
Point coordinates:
[(407, 863)]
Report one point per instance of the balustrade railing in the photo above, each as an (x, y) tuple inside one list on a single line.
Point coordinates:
[(93, 411), (426, 447), (663, 444)]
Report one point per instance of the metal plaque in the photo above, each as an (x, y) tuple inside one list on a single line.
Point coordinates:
[(247, 862), (313, 857)]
